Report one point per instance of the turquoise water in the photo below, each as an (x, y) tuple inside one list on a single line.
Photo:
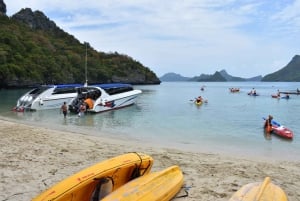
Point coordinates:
[(229, 123)]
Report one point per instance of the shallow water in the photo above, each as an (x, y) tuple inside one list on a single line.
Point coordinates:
[(165, 114)]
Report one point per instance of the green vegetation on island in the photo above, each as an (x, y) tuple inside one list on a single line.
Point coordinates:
[(33, 50), (289, 73)]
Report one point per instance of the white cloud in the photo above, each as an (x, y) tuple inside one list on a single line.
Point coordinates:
[(187, 37)]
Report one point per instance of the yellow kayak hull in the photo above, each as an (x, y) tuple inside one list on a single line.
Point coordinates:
[(86, 184), (156, 186), (263, 191), (198, 103)]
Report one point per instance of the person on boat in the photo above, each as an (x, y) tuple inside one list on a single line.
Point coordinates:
[(278, 93), (64, 109), (268, 124), (89, 103)]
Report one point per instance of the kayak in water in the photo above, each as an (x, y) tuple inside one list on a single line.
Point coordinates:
[(279, 130)]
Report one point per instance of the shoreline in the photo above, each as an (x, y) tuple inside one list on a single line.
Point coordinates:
[(34, 158)]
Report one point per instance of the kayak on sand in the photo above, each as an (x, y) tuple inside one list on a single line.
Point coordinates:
[(260, 191), (96, 181), (155, 186)]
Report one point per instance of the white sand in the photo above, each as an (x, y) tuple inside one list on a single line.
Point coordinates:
[(34, 158)]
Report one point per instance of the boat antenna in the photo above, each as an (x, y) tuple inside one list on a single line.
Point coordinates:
[(86, 81)]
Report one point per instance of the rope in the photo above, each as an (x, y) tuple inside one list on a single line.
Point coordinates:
[(186, 188)]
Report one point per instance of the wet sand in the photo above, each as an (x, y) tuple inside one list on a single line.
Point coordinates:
[(34, 158)]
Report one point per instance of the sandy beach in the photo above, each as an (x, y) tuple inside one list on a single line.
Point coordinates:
[(34, 158)]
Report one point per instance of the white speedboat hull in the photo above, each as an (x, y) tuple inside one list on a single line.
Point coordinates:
[(116, 102), (47, 97), (103, 97)]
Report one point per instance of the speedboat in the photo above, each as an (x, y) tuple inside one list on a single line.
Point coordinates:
[(47, 97), (104, 97)]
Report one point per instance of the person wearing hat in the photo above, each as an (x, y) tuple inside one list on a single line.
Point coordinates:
[(268, 124)]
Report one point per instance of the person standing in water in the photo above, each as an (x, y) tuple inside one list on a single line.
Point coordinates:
[(82, 109), (268, 124), (64, 109)]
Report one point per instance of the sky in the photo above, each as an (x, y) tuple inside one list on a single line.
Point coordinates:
[(188, 37)]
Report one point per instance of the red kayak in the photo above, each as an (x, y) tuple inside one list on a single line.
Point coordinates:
[(282, 131), (275, 96)]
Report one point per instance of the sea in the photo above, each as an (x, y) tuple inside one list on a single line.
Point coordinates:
[(165, 115)]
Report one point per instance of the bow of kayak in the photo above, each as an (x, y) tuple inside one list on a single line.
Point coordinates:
[(260, 191)]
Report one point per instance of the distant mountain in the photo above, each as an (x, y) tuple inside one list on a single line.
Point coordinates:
[(221, 76), (216, 77), (229, 77), (239, 79), (173, 77), (201, 77), (289, 73), (254, 79)]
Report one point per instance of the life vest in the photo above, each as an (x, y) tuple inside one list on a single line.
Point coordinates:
[(89, 102)]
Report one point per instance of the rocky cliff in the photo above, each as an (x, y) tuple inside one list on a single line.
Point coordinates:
[(2, 8), (36, 20)]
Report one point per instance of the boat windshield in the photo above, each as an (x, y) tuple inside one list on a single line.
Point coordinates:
[(39, 90), (117, 90), (65, 90), (88, 92)]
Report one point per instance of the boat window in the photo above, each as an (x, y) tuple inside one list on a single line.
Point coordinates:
[(117, 90), (64, 90), (38, 90)]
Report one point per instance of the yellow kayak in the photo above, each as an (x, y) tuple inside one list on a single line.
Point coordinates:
[(156, 186), (95, 182), (263, 191)]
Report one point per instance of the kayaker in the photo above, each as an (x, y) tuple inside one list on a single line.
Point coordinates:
[(287, 96), (252, 92), (278, 93), (268, 124), (199, 99)]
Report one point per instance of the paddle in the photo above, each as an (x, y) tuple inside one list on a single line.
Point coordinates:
[(273, 122)]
